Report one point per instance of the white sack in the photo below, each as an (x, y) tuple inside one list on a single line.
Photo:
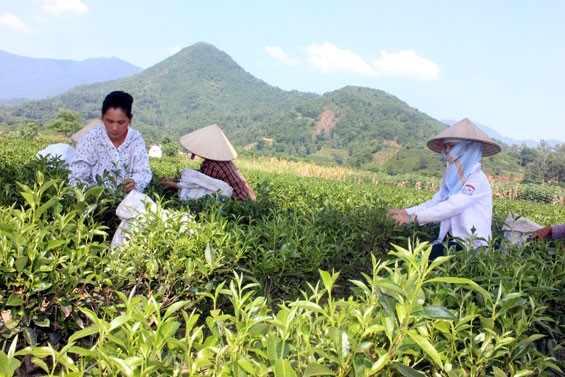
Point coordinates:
[(518, 229), (155, 151), (194, 185), (64, 151), (134, 205)]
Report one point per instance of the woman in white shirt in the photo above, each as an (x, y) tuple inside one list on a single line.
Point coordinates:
[(113, 154), (463, 205)]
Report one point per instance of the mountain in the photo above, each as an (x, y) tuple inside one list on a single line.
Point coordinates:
[(507, 140), (31, 78), (202, 85), (198, 85)]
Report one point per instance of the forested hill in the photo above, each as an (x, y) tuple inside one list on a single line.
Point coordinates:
[(202, 85)]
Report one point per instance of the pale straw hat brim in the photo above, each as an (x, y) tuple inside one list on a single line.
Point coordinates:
[(210, 143), (464, 130), (83, 131)]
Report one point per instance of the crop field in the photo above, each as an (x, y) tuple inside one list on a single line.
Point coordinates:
[(313, 279)]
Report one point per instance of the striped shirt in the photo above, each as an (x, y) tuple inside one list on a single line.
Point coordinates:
[(227, 172), (558, 232)]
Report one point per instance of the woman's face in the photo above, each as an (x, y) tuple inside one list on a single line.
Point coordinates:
[(448, 147), (116, 122)]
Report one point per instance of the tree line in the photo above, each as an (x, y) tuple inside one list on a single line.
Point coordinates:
[(542, 164)]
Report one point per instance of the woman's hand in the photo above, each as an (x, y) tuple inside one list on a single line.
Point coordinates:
[(542, 233), (399, 216), (170, 184), (128, 184)]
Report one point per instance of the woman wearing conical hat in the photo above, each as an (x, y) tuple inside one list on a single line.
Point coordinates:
[(463, 205), (213, 146)]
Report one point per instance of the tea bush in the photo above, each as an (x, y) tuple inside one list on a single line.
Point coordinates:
[(305, 281)]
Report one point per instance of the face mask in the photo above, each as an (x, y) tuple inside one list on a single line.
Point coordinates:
[(443, 156)]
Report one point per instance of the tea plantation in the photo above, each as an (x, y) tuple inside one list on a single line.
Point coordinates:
[(313, 279)]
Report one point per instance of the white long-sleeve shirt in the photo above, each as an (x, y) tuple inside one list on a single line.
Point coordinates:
[(96, 156), (468, 209)]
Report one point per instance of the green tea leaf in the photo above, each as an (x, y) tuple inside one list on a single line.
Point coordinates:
[(259, 329), (512, 303), (20, 263), (42, 321), (118, 321), (82, 351), (44, 207), (41, 286), (91, 330), (14, 300), (174, 308), (379, 364), (30, 336), (40, 363), (315, 369), (53, 244), (30, 198), (308, 305), (283, 368), (524, 373), (388, 285), (408, 371), (373, 329), (531, 339), (209, 254), (438, 312), (328, 279), (388, 303), (246, 365), (8, 365), (471, 283), (122, 365), (425, 345)]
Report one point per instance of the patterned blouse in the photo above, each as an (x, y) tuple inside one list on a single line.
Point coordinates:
[(98, 160), (227, 172)]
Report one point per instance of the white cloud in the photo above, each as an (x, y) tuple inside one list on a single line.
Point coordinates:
[(58, 7), (277, 53), (406, 64), (13, 22), (328, 57)]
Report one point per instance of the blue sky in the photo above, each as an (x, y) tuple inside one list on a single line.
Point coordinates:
[(499, 63)]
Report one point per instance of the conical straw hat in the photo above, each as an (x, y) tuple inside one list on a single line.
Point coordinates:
[(209, 143), (464, 130), (83, 131)]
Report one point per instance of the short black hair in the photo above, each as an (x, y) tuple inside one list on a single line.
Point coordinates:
[(118, 100)]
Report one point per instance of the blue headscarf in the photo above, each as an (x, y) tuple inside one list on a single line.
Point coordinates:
[(461, 159)]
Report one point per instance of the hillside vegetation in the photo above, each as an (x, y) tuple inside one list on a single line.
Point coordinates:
[(354, 126), (201, 85), (311, 279)]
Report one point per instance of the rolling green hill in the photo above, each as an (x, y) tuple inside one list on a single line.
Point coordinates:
[(202, 85)]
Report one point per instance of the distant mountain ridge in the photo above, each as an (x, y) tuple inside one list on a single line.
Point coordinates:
[(33, 78)]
